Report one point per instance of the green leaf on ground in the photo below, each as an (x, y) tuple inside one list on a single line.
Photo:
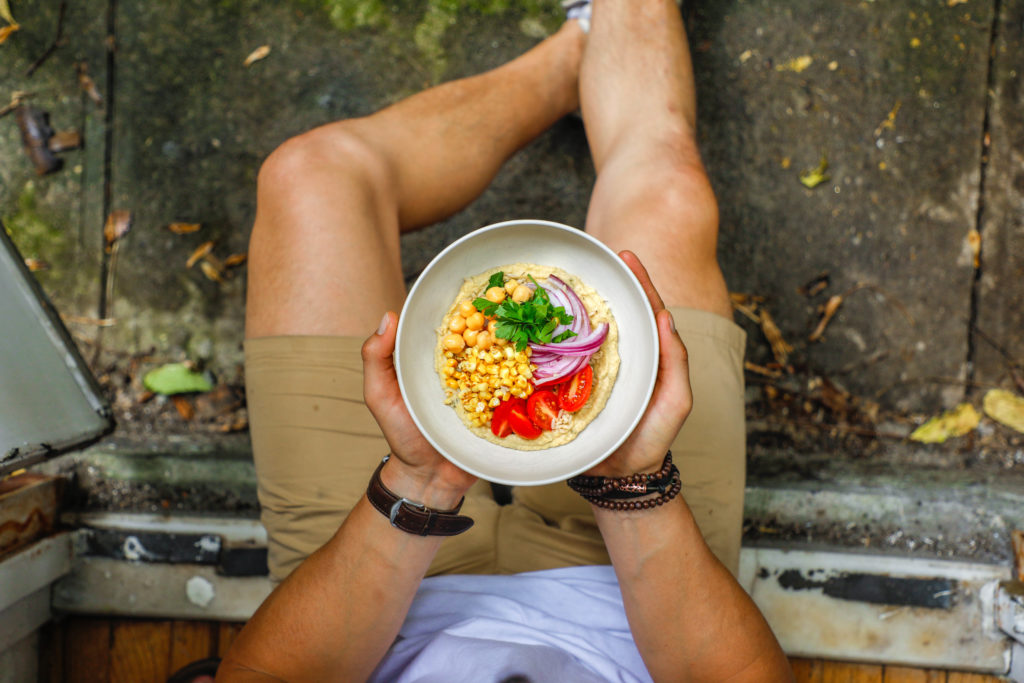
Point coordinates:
[(957, 422), (175, 378)]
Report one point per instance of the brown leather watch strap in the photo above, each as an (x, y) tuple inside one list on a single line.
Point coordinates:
[(412, 517)]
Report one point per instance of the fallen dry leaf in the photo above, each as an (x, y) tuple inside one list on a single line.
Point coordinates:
[(235, 260), (237, 425), (200, 251), (6, 31), (17, 97), (815, 286), (974, 242), (1005, 408), (957, 422), (835, 399), (780, 347), (5, 12), (813, 177), (183, 228), (746, 304), (762, 370), (214, 261), (117, 226), (211, 271), (797, 64), (86, 320), (890, 119), (86, 83), (827, 311), (256, 55), (184, 407), (64, 140)]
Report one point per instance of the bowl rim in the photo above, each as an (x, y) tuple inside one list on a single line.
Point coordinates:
[(476, 234)]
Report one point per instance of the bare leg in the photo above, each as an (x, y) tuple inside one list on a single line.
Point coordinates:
[(652, 195), (324, 254)]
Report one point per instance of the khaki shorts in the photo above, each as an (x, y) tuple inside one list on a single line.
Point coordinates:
[(316, 444)]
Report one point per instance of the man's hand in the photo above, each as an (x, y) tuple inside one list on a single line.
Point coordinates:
[(417, 471), (670, 403)]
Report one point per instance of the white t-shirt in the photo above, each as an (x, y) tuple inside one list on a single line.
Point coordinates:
[(555, 626)]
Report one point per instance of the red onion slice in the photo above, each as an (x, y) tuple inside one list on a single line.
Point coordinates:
[(559, 370), (589, 343), (558, 298), (579, 311)]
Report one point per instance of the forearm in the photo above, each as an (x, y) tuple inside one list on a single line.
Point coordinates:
[(336, 615), (685, 610)]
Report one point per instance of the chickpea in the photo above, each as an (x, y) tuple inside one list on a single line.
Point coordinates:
[(492, 328), (510, 286), (453, 342), (466, 308), (522, 293), (483, 341), (470, 336), (495, 294), (457, 325), (476, 321)]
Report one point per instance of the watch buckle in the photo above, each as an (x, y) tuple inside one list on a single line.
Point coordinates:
[(398, 504)]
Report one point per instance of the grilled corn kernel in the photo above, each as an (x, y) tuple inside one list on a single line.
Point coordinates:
[(452, 384)]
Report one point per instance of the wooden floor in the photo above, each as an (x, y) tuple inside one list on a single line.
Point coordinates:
[(89, 650)]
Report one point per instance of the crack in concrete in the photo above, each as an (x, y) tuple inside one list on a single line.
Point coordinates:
[(108, 154), (972, 319)]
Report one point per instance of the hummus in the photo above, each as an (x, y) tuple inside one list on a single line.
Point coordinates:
[(605, 363)]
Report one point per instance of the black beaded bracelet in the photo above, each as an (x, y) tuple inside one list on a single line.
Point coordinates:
[(622, 493)]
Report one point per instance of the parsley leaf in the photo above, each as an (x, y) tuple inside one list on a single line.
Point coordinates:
[(568, 334), (534, 320), (485, 306), (497, 280)]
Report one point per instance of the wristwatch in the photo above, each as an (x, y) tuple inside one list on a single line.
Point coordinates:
[(412, 517)]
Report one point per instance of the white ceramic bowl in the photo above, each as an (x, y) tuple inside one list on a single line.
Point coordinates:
[(544, 243)]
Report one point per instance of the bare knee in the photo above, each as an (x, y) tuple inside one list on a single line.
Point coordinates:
[(323, 212), (663, 197), (334, 156), (683, 195)]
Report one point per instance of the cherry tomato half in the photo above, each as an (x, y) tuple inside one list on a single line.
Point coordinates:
[(519, 419), (574, 393), (542, 407), (499, 421)]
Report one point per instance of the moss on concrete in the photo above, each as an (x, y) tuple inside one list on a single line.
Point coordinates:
[(347, 15), (533, 18), (32, 233)]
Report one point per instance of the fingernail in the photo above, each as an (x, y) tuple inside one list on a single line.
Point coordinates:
[(671, 321), (383, 324)]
